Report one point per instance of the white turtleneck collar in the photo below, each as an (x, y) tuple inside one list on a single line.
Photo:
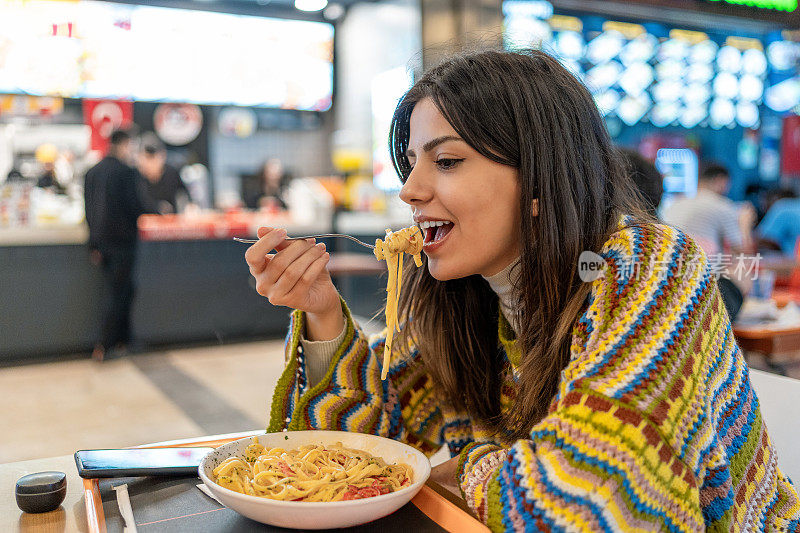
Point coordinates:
[(502, 284)]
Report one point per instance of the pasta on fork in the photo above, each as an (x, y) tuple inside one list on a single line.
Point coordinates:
[(407, 240)]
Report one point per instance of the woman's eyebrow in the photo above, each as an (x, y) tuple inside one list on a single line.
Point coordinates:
[(433, 143)]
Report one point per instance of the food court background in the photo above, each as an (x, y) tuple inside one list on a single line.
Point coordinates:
[(230, 85)]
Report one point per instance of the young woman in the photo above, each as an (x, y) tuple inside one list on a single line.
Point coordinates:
[(616, 401)]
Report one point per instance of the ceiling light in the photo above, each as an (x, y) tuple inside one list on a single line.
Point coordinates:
[(607, 101), (784, 95), (310, 5), (670, 69), (604, 76), (540, 9), (673, 49), (693, 115), (573, 66), (636, 78), (605, 46), (751, 88), (696, 94), (665, 113), (729, 59), (570, 44), (333, 12), (703, 52), (523, 32), (783, 54), (722, 112), (754, 62), (667, 91), (726, 85), (641, 49), (632, 109), (747, 114), (700, 72)]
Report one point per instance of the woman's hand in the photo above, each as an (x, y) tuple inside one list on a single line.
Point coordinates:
[(296, 277), (445, 475)]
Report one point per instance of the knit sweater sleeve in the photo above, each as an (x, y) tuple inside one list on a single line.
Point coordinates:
[(604, 458), (351, 395)]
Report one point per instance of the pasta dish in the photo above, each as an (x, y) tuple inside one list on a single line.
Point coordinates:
[(408, 240), (312, 473)]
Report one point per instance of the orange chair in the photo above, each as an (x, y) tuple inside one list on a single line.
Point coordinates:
[(790, 292)]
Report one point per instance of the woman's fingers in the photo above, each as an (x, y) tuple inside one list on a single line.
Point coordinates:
[(309, 276), (256, 255), (294, 272), (281, 245), (256, 272), (285, 257)]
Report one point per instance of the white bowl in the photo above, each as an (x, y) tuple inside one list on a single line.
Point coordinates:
[(319, 515)]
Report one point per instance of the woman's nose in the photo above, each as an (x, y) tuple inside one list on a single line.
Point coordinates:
[(416, 189)]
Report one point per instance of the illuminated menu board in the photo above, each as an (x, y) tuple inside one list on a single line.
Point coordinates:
[(678, 78), (106, 50)]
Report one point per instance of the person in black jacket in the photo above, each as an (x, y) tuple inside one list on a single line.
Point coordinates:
[(113, 205), (163, 186)]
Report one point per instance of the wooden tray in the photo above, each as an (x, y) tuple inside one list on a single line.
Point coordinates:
[(448, 511)]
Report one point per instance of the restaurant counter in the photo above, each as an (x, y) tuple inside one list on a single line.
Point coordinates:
[(193, 285), (38, 236), (190, 287)]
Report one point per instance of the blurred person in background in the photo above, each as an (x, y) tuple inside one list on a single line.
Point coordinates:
[(781, 224), (14, 175), (773, 195), (162, 186), (756, 194), (47, 154), (270, 187), (711, 218), (648, 180), (113, 205), (650, 184)]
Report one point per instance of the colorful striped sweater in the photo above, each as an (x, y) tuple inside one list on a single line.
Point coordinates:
[(654, 427)]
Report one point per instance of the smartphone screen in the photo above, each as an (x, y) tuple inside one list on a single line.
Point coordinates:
[(139, 462)]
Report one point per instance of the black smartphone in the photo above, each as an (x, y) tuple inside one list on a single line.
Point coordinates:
[(139, 462)]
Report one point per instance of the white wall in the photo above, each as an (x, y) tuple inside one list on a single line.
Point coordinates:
[(372, 38)]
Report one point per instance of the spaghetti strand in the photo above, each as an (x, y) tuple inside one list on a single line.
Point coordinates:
[(407, 240)]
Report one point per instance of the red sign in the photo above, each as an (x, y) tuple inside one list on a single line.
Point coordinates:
[(105, 116), (790, 146)]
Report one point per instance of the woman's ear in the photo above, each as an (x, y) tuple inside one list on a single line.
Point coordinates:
[(535, 207)]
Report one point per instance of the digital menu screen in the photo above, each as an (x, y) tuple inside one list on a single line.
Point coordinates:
[(661, 75), (89, 49)]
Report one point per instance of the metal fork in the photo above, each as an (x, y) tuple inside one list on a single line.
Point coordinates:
[(322, 235)]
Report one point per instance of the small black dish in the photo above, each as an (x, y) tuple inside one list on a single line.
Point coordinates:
[(41, 492)]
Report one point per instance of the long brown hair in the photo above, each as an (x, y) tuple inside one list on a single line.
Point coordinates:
[(526, 111)]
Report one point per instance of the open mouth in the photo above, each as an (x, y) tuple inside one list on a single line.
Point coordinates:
[(435, 230)]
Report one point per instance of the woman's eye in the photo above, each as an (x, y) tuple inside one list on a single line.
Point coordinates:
[(447, 163)]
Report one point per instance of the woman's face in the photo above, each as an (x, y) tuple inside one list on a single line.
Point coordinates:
[(476, 198)]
